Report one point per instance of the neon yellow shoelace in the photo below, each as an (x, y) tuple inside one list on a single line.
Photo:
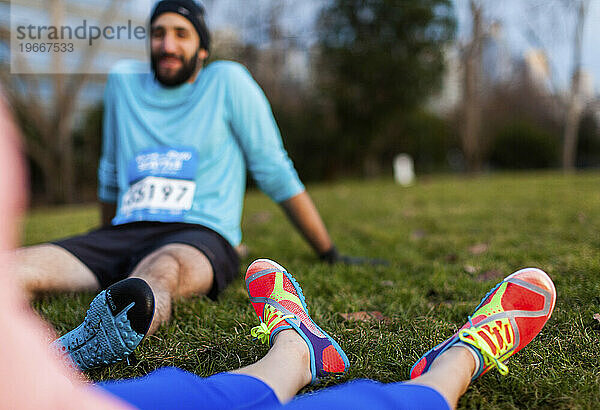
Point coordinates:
[(272, 317), (485, 349)]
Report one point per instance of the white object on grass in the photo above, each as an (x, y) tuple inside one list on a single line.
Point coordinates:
[(404, 170)]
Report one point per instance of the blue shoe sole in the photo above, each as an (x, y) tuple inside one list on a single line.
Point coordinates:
[(102, 338)]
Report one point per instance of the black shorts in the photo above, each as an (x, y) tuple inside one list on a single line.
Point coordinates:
[(113, 252)]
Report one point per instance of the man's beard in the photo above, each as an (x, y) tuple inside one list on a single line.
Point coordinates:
[(182, 75)]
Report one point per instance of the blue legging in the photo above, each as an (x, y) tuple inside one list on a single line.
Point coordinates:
[(173, 388)]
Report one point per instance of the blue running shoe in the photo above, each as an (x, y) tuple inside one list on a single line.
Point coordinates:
[(114, 325)]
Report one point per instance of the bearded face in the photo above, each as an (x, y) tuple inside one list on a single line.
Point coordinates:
[(171, 69), (175, 52)]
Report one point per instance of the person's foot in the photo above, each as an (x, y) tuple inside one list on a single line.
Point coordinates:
[(279, 303), (505, 321), (114, 325)]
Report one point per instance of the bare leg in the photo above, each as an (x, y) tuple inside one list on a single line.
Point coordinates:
[(285, 368), (450, 374), (172, 271), (50, 268)]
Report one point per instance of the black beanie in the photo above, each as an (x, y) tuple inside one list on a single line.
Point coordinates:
[(191, 10)]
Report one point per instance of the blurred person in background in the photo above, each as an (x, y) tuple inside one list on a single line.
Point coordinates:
[(176, 146)]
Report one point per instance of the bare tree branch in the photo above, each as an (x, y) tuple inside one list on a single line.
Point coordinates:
[(576, 104), (52, 147), (472, 63)]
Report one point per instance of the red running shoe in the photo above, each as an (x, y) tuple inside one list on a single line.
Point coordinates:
[(279, 303), (505, 321)]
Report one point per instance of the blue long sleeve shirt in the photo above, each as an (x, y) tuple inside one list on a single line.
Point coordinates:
[(180, 154)]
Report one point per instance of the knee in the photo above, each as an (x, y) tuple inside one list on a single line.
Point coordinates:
[(180, 269), (48, 267), (165, 267)]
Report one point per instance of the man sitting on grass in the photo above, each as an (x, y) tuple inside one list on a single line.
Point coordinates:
[(176, 145)]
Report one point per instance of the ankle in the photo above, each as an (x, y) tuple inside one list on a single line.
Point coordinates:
[(463, 355), (291, 340)]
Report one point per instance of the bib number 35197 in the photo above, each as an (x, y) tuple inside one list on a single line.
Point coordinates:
[(160, 194)]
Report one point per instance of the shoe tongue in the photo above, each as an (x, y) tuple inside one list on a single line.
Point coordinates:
[(272, 317)]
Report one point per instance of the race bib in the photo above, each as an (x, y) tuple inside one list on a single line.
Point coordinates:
[(155, 193), (161, 186)]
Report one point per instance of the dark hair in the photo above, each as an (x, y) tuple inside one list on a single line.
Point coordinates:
[(191, 10)]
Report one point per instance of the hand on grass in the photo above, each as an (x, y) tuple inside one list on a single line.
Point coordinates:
[(332, 257)]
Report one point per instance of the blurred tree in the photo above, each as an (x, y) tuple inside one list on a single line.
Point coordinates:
[(575, 103), (49, 141), (87, 147), (519, 108), (380, 60), (274, 53), (472, 56), (523, 145), (562, 21), (588, 141)]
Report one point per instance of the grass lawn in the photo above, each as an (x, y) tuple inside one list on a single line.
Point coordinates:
[(448, 240)]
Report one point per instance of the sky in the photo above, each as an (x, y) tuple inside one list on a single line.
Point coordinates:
[(553, 25), (551, 22)]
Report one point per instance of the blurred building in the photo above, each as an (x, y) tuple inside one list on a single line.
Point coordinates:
[(450, 95), (537, 70), (498, 66), (586, 86), (497, 59)]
